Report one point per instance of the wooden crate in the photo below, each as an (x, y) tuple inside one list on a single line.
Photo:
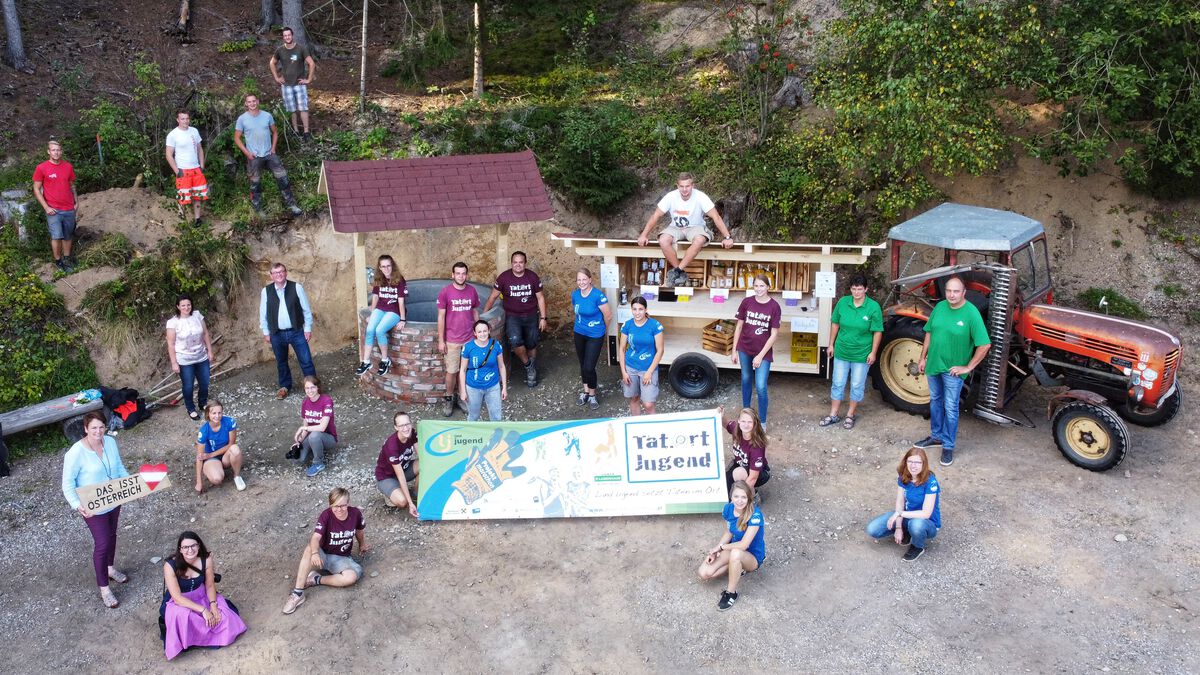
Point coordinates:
[(721, 274), (718, 336), (697, 272)]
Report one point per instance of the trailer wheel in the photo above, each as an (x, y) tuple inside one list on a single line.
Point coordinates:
[(1090, 436), (1150, 417), (896, 374), (693, 375), (73, 428)]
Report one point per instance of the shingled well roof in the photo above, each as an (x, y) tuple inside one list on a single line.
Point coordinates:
[(412, 194)]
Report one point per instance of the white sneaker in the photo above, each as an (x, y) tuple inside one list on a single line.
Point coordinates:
[(241, 484)]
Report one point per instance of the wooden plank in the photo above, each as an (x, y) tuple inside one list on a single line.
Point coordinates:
[(48, 412)]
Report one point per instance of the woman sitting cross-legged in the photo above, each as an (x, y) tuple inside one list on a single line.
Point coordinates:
[(192, 613)]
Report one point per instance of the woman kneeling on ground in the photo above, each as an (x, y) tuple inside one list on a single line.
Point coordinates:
[(192, 613), (749, 450), (329, 549), (917, 517), (638, 354), (742, 548), (318, 432), (397, 465), (387, 312), (217, 449)]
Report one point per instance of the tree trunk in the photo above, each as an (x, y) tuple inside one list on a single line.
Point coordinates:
[(293, 17), (185, 13), (16, 46), (268, 16), (362, 75), (478, 52)]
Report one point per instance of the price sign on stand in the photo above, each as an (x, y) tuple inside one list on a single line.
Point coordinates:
[(826, 286)]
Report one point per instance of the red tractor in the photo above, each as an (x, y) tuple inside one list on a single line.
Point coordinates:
[(1111, 368)]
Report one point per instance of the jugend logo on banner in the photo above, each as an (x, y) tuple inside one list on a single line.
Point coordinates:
[(671, 451)]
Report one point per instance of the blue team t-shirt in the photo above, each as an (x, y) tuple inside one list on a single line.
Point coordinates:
[(483, 369), (758, 547), (914, 498), (256, 132), (640, 349), (589, 320), (215, 440)]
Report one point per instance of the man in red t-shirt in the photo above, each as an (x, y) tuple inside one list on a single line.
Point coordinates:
[(54, 187)]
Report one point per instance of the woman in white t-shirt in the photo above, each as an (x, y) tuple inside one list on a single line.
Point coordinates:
[(190, 347)]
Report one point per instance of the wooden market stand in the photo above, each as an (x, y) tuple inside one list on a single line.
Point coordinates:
[(803, 282)]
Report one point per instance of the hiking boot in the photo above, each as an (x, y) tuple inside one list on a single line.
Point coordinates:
[(928, 442), (61, 265), (530, 374), (71, 261), (362, 368), (947, 456), (726, 601), (448, 406), (314, 470), (384, 366), (912, 554), (293, 602)]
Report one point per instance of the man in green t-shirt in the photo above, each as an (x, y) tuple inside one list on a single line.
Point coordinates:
[(855, 331), (956, 341)]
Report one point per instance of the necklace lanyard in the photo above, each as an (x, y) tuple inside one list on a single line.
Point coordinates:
[(103, 459)]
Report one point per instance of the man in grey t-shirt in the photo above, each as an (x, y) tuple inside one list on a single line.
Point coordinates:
[(255, 135)]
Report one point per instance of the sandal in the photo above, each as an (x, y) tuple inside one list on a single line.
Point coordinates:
[(110, 600), (849, 423), (829, 420), (118, 576)]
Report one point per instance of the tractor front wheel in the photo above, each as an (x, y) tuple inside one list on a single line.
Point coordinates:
[(897, 374), (1152, 417), (1090, 436)]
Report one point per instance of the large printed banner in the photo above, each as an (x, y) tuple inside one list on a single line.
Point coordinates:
[(649, 465)]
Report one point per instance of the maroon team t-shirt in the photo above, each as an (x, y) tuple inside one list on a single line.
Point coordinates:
[(395, 453), (56, 182), (389, 296), (759, 318), (747, 456), (312, 412), (460, 318), (337, 536), (520, 292)]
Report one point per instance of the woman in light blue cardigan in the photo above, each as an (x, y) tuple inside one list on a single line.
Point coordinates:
[(95, 459)]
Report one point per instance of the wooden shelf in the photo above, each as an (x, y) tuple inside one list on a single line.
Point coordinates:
[(702, 306), (679, 342)]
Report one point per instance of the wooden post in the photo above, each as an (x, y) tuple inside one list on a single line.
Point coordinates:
[(502, 262), (360, 279), (362, 76)]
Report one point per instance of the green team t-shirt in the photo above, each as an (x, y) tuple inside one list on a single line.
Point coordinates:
[(956, 333), (856, 328)]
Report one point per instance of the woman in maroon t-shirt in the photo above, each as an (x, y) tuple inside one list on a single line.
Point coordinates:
[(387, 312), (318, 430), (397, 465), (329, 549), (758, 320), (749, 450)]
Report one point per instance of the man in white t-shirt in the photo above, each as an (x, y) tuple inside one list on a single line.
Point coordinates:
[(686, 207), (185, 155)]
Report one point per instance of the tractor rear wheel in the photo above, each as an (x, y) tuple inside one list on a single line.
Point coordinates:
[(1090, 436), (897, 373), (1152, 417)]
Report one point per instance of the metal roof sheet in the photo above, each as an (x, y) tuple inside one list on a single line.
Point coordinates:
[(967, 228)]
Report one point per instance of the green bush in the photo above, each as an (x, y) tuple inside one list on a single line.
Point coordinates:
[(1118, 305), (112, 250), (234, 46)]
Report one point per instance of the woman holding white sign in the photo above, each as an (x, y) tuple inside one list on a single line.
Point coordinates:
[(96, 459), (742, 549), (193, 614), (638, 354)]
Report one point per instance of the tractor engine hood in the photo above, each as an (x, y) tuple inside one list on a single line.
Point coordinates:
[(1149, 355)]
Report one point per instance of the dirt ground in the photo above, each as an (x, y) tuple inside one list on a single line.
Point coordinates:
[(1040, 565)]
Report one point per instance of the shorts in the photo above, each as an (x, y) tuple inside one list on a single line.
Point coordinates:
[(389, 485), (522, 330), (688, 233), (647, 392), (453, 357), (191, 186), (295, 97), (336, 564), (62, 224)]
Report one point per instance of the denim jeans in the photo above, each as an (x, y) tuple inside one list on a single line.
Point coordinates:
[(857, 373), (377, 329), (920, 529), (191, 375), (756, 380), (477, 397), (280, 340), (944, 392)]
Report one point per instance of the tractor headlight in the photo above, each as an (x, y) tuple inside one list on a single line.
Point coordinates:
[(1137, 393)]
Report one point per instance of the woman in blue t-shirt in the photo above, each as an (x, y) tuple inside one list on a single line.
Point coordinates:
[(481, 374), (592, 315), (217, 449), (639, 351), (917, 516), (741, 549)]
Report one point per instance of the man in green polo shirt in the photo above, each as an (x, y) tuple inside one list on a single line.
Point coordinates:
[(855, 331), (955, 342)]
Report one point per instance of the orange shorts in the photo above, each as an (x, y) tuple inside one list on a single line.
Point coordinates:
[(191, 186)]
